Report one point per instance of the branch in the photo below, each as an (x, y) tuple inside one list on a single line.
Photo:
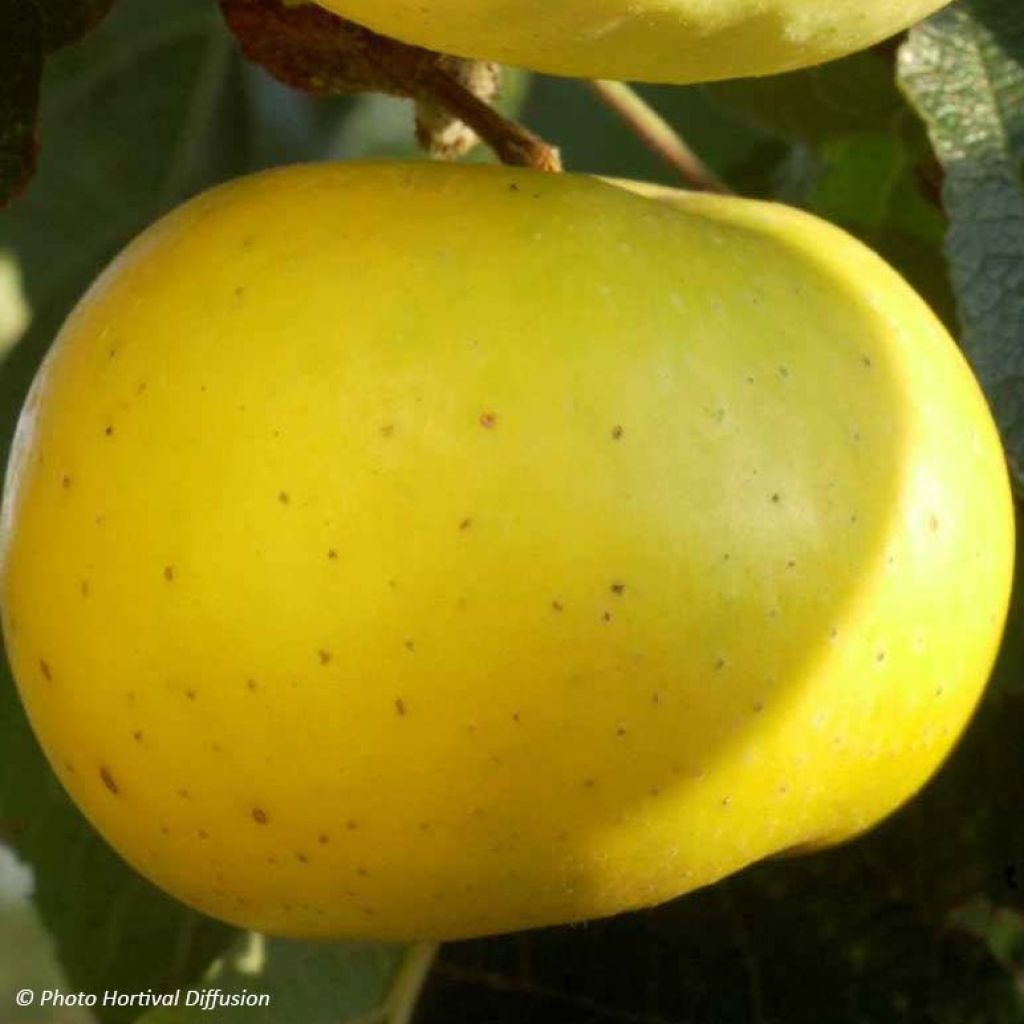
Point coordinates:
[(308, 48), (512, 143)]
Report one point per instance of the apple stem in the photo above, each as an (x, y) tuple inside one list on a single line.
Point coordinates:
[(409, 981), (658, 135)]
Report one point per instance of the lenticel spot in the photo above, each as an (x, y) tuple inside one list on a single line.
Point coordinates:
[(259, 816), (108, 780), (488, 420)]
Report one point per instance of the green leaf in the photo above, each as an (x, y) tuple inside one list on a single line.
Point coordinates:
[(854, 95), (28, 959), (315, 983), (64, 21), (868, 184), (964, 71), (21, 67), (859, 182)]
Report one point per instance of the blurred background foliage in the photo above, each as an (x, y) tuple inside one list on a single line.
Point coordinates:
[(915, 146)]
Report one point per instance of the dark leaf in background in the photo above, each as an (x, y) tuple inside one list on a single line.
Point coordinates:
[(854, 95), (964, 71), (593, 140), (21, 67), (64, 21), (28, 28), (778, 946)]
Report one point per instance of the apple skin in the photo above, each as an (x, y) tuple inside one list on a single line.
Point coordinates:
[(416, 551), (642, 40)]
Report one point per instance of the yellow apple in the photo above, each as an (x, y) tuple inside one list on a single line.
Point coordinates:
[(412, 551), (643, 40)]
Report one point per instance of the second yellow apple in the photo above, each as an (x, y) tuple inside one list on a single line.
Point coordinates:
[(642, 40)]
